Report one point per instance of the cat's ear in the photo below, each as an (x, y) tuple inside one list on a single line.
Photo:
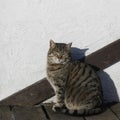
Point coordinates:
[(52, 44), (69, 46)]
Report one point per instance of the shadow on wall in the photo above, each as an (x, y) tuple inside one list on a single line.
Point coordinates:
[(109, 89), (78, 54)]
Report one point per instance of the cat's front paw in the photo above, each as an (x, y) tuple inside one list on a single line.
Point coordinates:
[(57, 107)]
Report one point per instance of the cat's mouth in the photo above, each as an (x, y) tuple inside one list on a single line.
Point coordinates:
[(60, 61), (54, 60)]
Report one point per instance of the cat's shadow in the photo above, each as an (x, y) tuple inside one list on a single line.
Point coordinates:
[(78, 54), (108, 86)]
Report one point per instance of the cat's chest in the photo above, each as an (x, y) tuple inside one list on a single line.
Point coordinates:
[(61, 73), (56, 74)]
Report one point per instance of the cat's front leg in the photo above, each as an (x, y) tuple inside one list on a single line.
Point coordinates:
[(59, 99)]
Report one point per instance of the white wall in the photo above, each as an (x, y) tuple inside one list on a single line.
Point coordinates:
[(27, 25)]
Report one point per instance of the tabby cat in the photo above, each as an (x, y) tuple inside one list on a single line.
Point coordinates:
[(77, 87)]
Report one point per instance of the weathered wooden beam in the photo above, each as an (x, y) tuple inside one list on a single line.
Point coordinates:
[(107, 115), (116, 110), (44, 112), (106, 56), (42, 90), (22, 113), (31, 95), (5, 113)]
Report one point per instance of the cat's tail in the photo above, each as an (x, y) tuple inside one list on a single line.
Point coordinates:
[(85, 111), (81, 111)]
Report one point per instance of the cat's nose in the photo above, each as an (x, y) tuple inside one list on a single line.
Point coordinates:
[(60, 57)]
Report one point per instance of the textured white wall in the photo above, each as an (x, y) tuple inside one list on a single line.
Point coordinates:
[(27, 25)]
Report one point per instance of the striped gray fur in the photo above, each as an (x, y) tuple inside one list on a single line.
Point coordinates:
[(77, 86)]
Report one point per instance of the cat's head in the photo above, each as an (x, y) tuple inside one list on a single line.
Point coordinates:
[(59, 53)]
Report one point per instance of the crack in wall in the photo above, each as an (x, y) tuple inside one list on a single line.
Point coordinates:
[(12, 114), (46, 114)]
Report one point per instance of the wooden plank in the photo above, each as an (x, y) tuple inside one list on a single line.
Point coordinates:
[(31, 95), (107, 115), (56, 116), (116, 109), (42, 90), (106, 56), (21, 113), (28, 113), (5, 113)]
